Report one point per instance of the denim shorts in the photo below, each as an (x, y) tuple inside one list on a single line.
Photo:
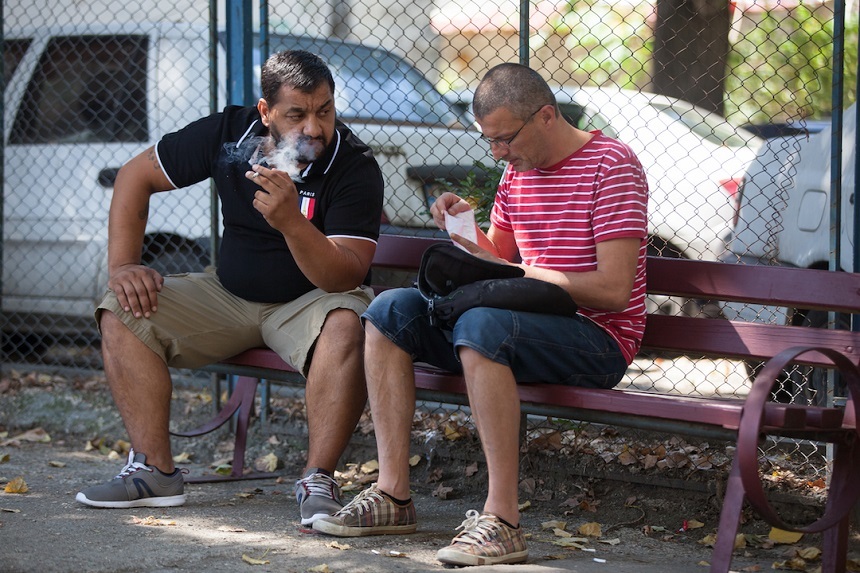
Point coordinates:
[(565, 350)]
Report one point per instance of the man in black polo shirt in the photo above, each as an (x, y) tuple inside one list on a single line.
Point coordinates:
[(293, 272)]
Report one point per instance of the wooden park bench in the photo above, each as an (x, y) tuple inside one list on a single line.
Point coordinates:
[(746, 421)]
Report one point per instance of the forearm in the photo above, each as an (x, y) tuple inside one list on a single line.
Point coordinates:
[(126, 229), (334, 265), (593, 289)]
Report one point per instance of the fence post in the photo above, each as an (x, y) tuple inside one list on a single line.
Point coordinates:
[(239, 52)]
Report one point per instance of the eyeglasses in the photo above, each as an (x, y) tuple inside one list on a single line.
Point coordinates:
[(507, 142)]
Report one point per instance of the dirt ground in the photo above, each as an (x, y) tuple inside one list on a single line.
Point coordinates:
[(58, 434)]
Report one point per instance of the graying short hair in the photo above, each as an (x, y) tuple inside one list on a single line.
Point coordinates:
[(516, 87)]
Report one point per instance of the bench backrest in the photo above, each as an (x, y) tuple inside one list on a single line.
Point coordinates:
[(777, 286)]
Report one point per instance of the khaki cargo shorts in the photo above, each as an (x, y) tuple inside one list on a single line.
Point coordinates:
[(199, 322)]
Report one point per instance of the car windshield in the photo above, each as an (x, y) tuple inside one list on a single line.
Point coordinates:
[(373, 85), (708, 126)]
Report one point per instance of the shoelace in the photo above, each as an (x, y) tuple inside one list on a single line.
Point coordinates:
[(476, 530), (319, 484), (362, 502), (132, 466)]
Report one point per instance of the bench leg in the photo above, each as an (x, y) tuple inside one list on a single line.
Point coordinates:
[(241, 401), (730, 517)]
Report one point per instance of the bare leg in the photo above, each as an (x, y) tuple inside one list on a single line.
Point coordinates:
[(336, 391), (140, 384), (495, 407), (391, 387)]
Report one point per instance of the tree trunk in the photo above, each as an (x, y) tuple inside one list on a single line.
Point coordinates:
[(691, 45)]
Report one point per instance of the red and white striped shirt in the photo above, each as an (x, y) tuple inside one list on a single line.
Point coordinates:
[(559, 214)]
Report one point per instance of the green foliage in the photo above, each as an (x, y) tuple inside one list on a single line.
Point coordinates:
[(479, 189), (779, 68), (783, 68)]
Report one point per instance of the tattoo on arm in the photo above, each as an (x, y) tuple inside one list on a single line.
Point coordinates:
[(153, 159)]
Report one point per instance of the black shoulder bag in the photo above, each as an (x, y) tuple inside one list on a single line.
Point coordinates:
[(452, 281)]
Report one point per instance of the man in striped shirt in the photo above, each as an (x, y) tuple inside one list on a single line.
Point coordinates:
[(572, 206)]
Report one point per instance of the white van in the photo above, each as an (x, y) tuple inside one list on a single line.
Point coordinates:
[(81, 101)]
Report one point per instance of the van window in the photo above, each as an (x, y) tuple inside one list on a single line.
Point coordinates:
[(86, 89), (13, 51), (374, 85)]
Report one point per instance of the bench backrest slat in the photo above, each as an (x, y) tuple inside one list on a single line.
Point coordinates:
[(734, 339), (779, 286)]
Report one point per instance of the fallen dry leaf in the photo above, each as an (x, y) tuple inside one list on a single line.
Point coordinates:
[(591, 529), (572, 542), (267, 463), (370, 466), (471, 469), (786, 537), (17, 485), (442, 491), (627, 458), (252, 561), (414, 460), (8, 510), (393, 553), (183, 458), (793, 564), (561, 533), (525, 505), (4, 458), (613, 541), (751, 569), (320, 569), (809, 553), (553, 524), (228, 529), (336, 545), (37, 435), (56, 464), (693, 524)]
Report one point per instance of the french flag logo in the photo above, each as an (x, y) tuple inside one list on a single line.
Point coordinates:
[(306, 205)]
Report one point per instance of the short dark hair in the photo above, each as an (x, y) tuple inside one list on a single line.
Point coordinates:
[(297, 69), (515, 87)]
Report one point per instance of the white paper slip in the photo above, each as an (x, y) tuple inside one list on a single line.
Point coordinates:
[(462, 224)]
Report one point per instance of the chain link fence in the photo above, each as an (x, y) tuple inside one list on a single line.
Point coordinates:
[(747, 92)]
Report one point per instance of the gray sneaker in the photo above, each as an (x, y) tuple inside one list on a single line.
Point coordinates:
[(318, 496), (137, 485)]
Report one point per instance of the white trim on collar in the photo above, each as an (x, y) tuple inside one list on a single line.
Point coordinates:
[(247, 131)]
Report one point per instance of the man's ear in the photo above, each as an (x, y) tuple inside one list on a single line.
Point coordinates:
[(263, 108)]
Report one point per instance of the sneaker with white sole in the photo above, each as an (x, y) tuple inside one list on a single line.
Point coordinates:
[(318, 496), (485, 540), (137, 485), (371, 512)]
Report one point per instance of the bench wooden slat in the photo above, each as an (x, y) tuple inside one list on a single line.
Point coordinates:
[(735, 339), (780, 286)]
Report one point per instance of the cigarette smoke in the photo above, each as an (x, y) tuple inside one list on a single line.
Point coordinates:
[(284, 156)]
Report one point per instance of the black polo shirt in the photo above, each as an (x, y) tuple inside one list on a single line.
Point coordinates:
[(341, 193)]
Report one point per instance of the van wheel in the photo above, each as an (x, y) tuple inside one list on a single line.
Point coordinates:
[(171, 254)]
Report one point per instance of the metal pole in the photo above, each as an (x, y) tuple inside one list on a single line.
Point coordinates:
[(3, 179), (836, 169), (524, 32), (214, 206), (264, 31), (239, 52)]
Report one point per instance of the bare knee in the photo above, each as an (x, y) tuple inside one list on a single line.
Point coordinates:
[(342, 332)]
